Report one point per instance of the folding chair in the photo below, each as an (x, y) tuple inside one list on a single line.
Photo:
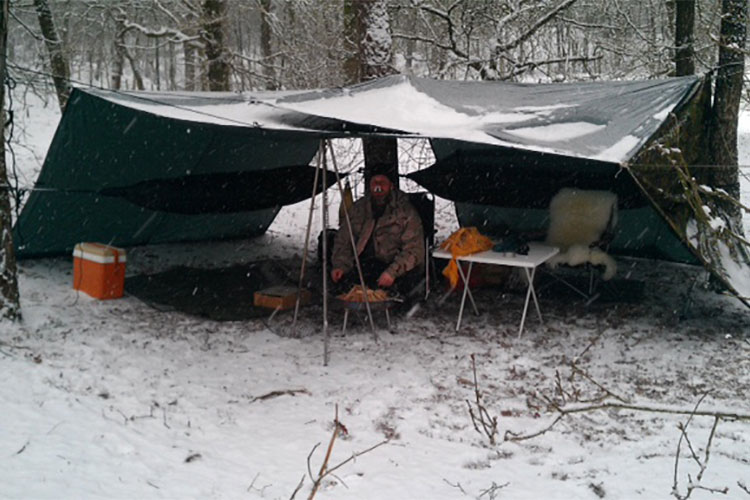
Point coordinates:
[(582, 225)]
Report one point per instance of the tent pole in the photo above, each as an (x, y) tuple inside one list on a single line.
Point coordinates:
[(307, 243), (323, 167), (354, 244)]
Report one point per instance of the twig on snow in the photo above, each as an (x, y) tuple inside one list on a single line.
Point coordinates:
[(164, 418), (743, 487), (299, 487), (23, 447), (283, 392), (581, 372), (512, 436), (702, 464), (589, 346), (325, 471), (491, 492), (261, 490), (457, 485), (482, 417)]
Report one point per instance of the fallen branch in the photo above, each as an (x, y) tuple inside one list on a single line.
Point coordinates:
[(588, 377), (284, 392), (338, 428), (652, 409)]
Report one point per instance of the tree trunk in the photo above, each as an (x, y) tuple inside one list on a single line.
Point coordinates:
[(190, 76), (725, 112), (376, 44), (353, 34), (137, 78), (369, 41), (265, 45), (214, 12), (684, 56), (9, 305), (58, 62)]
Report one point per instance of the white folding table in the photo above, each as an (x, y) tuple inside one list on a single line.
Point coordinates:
[(538, 254)]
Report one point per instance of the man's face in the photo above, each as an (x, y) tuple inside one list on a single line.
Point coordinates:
[(380, 188)]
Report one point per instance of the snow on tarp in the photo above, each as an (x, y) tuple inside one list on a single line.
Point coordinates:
[(606, 121), (253, 110)]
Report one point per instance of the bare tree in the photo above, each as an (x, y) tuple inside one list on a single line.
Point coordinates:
[(9, 305), (368, 33), (266, 32), (728, 93), (684, 57), (58, 61), (214, 15)]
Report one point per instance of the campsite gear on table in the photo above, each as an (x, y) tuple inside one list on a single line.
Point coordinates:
[(465, 241), (280, 297), (538, 254), (99, 270), (512, 243)]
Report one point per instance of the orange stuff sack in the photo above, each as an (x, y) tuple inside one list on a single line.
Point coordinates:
[(465, 241)]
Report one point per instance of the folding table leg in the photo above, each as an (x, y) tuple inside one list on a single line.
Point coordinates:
[(466, 292), (533, 293), (346, 316), (530, 293)]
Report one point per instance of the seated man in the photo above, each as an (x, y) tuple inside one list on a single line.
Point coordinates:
[(389, 239)]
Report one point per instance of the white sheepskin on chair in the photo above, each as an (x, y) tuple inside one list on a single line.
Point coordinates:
[(579, 218), (578, 255)]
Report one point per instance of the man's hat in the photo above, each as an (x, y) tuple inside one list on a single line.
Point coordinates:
[(385, 169)]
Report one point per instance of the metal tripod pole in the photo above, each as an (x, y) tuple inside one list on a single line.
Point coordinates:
[(354, 244), (324, 171), (307, 243)]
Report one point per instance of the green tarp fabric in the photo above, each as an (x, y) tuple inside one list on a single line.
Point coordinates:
[(503, 191), (101, 146)]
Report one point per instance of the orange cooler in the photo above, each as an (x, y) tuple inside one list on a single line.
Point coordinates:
[(99, 270)]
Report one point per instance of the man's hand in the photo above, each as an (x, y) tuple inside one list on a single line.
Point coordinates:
[(337, 274), (385, 280)]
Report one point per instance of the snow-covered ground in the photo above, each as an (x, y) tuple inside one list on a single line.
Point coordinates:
[(114, 399)]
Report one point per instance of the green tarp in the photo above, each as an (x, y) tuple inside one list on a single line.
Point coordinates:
[(103, 151)]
